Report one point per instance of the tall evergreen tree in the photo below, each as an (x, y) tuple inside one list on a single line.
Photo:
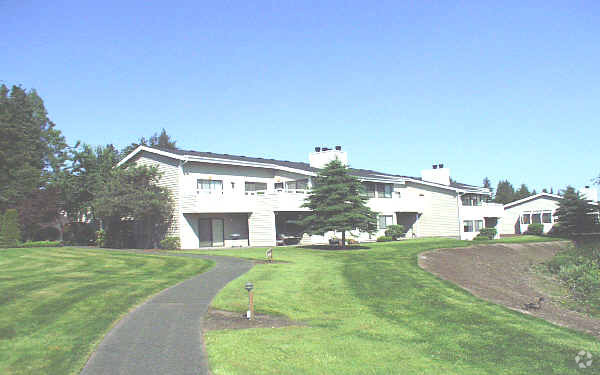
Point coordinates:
[(338, 203), (487, 184), (505, 192), (575, 212), (523, 192), (31, 148)]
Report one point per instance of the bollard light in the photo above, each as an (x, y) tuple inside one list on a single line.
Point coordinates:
[(250, 313)]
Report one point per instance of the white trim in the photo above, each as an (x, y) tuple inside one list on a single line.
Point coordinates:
[(149, 149), (204, 159), (214, 160), (516, 203)]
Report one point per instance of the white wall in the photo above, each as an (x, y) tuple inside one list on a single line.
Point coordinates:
[(170, 179), (512, 214)]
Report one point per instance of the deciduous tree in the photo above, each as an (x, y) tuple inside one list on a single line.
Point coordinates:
[(132, 198)]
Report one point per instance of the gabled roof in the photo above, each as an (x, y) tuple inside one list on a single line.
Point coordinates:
[(532, 197), (298, 167)]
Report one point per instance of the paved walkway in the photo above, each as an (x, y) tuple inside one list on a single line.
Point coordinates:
[(163, 335)]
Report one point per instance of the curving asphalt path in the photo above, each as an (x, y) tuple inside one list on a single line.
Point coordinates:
[(162, 336)]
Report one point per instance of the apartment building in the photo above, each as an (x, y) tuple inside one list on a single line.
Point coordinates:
[(228, 200)]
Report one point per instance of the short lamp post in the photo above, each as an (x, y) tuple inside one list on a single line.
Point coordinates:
[(250, 313)]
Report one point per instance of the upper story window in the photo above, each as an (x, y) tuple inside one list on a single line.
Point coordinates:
[(471, 200), (370, 188), (253, 188), (297, 185), (384, 190), (377, 190), (209, 186)]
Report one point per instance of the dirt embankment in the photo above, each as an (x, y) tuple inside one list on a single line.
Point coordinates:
[(502, 273)]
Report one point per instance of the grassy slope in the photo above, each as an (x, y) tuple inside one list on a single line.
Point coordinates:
[(376, 312), (57, 303)]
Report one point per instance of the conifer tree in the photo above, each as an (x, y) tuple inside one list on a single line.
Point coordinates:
[(575, 212), (338, 203)]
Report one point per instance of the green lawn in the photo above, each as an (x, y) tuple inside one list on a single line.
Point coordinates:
[(56, 304), (376, 312)]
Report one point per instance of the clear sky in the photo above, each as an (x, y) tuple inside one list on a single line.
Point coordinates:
[(499, 89)]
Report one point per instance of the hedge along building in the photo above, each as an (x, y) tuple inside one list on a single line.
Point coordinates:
[(229, 200)]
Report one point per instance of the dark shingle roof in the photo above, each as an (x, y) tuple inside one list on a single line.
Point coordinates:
[(364, 173)]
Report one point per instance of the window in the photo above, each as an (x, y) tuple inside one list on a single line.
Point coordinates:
[(209, 186), (255, 188), (279, 186), (536, 218), (478, 225), (468, 225), (385, 220), (546, 218), (471, 200), (297, 185), (384, 190), (526, 218), (370, 189)]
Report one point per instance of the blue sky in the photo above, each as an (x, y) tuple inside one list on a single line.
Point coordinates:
[(498, 89)]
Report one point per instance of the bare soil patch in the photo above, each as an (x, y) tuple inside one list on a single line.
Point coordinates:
[(502, 273), (220, 319)]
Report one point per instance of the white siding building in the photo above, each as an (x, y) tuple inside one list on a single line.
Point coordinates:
[(227, 200), (536, 209)]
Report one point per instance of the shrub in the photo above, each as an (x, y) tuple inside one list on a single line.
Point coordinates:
[(42, 244), (334, 241), (556, 231), (385, 239), (352, 241), (10, 233), (579, 270), (535, 229), (100, 238), (394, 231), (46, 234), (79, 234), (170, 243), (486, 234), (480, 237)]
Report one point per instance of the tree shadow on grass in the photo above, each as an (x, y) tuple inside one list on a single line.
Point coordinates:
[(447, 323), (334, 247)]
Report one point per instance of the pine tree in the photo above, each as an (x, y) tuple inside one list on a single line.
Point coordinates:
[(505, 192), (31, 149), (523, 192), (574, 212), (488, 184), (10, 233), (338, 203)]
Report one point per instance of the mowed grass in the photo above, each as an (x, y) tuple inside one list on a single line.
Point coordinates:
[(56, 304), (376, 312)]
